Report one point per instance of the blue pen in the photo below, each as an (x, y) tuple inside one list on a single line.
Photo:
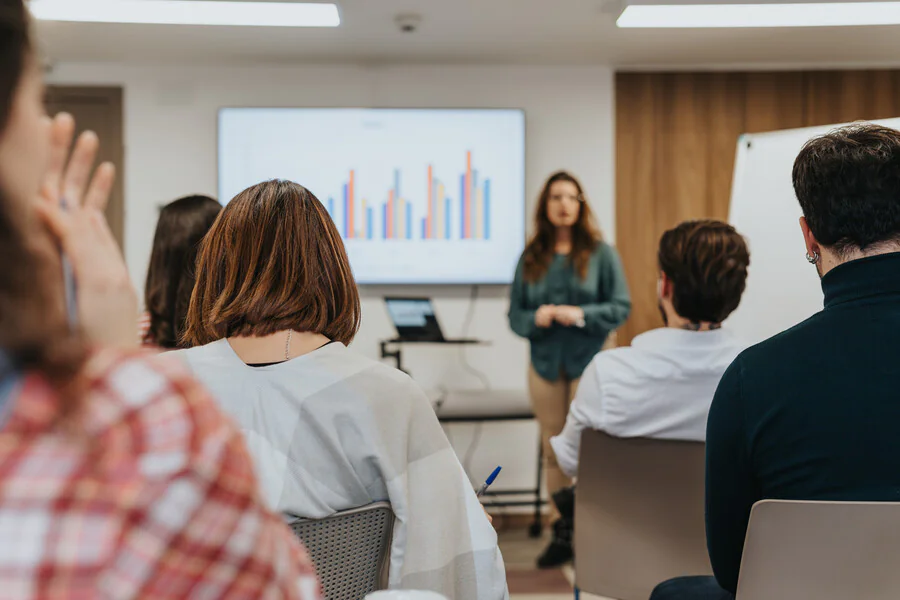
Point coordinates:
[(488, 482)]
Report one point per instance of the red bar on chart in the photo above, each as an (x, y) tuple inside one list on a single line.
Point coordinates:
[(430, 218), (351, 223), (467, 217)]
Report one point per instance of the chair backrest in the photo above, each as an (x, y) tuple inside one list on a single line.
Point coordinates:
[(638, 514), (350, 549), (821, 551)]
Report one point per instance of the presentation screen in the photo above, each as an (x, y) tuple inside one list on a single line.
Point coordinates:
[(420, 196)]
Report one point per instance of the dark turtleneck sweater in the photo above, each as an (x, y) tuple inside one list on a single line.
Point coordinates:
[(810, 414)]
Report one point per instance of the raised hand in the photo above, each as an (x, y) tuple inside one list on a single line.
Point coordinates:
[(72, 201)]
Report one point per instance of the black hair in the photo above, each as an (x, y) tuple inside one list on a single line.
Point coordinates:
[(848, 185), (172, 273)]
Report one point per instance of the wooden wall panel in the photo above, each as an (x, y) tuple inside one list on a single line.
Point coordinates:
[(727, 114), (675, 142), (773, 101), (825, 98), (638, 187)]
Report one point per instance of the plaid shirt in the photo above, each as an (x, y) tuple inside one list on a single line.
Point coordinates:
[(146, 492)]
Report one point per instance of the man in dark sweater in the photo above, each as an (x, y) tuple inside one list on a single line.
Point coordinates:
[(812, 413)]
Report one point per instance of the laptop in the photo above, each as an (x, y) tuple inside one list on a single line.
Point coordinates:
[(415, 321)]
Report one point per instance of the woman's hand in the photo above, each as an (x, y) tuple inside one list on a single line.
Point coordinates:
[(71, 205), (544, 316), (569, 316)]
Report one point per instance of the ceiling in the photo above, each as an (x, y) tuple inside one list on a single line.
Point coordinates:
[(578, 32)]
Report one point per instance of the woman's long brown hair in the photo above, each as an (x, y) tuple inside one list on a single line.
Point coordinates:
[(541, 248), (33, 329), (173, 262)]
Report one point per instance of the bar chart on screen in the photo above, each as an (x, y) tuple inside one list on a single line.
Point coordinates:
[(417, 195), (431, 213)]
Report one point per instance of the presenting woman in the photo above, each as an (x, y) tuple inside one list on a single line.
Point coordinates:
[(569, 293)]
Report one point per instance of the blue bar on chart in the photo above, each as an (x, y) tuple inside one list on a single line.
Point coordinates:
[(424, 228), (409, 221), (346, 214), (370, 217), (487, 209), (447, 219), (384, 222)]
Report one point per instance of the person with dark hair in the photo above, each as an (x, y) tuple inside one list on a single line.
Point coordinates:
[(173, 261), (812, 413), (119, 478), (662, 385), (273, 309), (568, 295)]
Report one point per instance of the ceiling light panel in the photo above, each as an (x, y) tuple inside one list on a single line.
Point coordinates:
[(189, 12), (766, 14)]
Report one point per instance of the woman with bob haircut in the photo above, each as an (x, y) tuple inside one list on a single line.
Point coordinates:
[(273, 310), (119, 477)]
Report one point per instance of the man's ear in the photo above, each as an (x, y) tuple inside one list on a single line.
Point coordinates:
[(665, 286), (812, 244)]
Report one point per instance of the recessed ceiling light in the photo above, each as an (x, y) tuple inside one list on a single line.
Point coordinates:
[(811, 14), (189, 12)]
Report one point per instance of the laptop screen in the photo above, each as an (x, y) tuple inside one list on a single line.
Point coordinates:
[(410, 312), (414, 318)]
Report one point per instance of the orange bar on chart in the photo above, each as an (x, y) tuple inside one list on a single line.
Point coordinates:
[(351, 222), (467, 217), (429, 220), (390, 215)]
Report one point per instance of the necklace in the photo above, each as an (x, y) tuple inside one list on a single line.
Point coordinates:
[(287, 345)]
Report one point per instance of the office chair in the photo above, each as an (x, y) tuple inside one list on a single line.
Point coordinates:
[(821, 550), (350, 549), (638, 514)]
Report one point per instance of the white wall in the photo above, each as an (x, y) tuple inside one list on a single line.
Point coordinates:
[(170, 137)]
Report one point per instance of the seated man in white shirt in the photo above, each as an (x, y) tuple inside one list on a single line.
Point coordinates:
[(663, 384)]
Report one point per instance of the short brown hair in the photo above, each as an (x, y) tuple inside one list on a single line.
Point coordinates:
[(707, 263), (848, 185), (273, 261)]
